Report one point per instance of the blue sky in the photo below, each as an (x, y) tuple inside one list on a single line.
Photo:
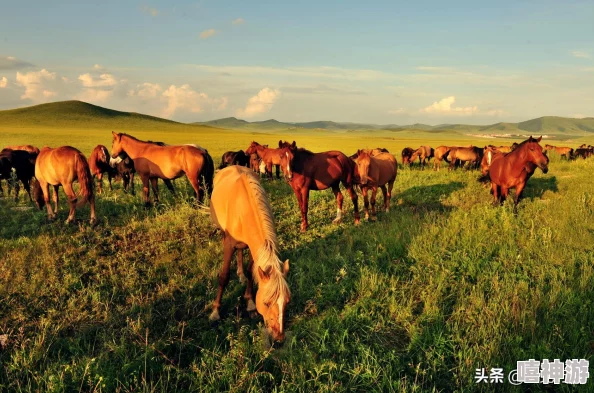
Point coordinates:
[(381, 62)]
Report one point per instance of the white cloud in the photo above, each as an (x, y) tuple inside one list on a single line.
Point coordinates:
[(146, 90), (578, 116), (98, 67), (104, 80), (238, 21), (581, 54), (183, 98), (35, 84), (444, 107), (94, 95), (3, 82), (260, 103), (398, 111), (207, 33)]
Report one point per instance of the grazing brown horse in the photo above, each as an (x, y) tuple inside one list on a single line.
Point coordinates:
[(99, 164), (153, 162), (513, 170), (62, 166), (234, 158), (240, 208), (423, 153), (440, 154), (307, 171), (269, 156), (406, 155), (23, 164), (375, 171), (566, 152), (473, 155), (28, 148), (583, 152)]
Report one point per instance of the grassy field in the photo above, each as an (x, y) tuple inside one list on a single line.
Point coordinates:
[(443, 284)]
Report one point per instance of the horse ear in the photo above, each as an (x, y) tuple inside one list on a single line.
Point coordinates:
[(264, 274), (286, 268), (294, 145), (530, 139), (280, 143), (539, 139)]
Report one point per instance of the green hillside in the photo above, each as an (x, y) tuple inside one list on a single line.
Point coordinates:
[(77, 114), (554, 124)]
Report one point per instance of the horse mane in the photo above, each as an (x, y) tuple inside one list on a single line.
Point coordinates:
[(267, 256)]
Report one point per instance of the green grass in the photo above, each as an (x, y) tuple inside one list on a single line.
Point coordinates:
[(414, 302)]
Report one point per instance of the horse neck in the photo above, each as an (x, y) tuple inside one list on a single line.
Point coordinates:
[(131, 145)]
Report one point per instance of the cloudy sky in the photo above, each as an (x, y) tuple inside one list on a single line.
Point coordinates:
[(375, 61)]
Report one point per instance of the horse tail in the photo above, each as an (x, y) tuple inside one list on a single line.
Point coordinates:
[(207, 172), (445, 155), (84, 178)]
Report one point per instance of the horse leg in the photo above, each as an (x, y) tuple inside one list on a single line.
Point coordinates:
[(365, 202), (228, 251), (132, 184), (278, 171), (519, 190), (504, 193), (155, 187), (355, 199), (56, 198), (145, 189), (339, 198), (125, 182), (373, 211), (195, 181), (100, 183), (71, 195), (27, 185), (249, 288), (304, 206), (386, 197), (46, 197), (169, 185), (240, 272), (495, 192), (109, 177), (269, 170)]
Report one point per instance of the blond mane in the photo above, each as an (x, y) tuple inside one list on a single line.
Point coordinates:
[(267, 255)]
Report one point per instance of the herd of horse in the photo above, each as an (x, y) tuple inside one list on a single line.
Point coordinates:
[(240, 207)]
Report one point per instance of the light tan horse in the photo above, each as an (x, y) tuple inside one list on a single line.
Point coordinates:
[(153, 162), (240, 208), (62, 166), (440, 153), (566, 152), (375, 171), (423, 153)]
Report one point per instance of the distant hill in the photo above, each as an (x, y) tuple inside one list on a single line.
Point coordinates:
[(78, 114)]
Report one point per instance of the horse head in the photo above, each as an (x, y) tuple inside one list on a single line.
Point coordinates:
[(363, 161), (287, 156), (272, 308), (535, 155), (116, 145)]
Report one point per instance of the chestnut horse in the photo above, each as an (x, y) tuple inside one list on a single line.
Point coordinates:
[(28, 148), (375, 171), (153, 162), (440, 153), (23, 164), (99, 164), (307, 171), (62, 166), (513, 170), (240, 208), (269, 156), (406, 154), (234, 158), (424, 153), (566, 152)]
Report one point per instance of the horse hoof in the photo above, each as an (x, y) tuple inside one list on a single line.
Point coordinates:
[(93, 222), (214, 316), (357, 221), (242, 278), (337, 221), (374, 218)]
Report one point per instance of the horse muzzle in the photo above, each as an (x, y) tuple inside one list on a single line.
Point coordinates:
[(544, 169)]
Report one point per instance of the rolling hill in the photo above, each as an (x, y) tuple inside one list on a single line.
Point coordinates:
[(78, 114)]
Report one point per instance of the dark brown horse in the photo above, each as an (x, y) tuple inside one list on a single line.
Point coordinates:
[(583, 152), (423, 153), (269, 156), (124, 168), (307, 171), (234, 158), (62, 166), (99, 164), (406, 154), (154, 162), (513, 170), (23, 165)]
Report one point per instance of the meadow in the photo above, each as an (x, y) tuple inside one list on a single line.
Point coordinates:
[(441, 285)]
